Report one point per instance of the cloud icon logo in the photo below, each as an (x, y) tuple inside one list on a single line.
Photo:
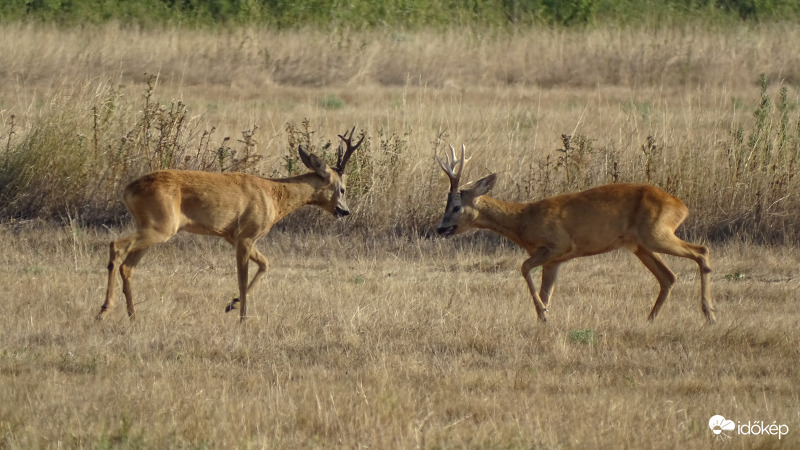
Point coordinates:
[(718, 424)]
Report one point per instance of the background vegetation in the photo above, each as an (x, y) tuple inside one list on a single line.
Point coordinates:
[(710, 116), (394, 13)]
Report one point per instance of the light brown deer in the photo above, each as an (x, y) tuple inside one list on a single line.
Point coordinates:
[(237, 207), (640, 217)]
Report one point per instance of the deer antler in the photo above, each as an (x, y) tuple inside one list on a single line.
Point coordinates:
[(343, 155), (450, 164)]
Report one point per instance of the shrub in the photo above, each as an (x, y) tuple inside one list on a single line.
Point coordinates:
[(80, 152)]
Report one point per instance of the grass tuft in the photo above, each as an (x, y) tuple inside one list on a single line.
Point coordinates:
[(584, 337)]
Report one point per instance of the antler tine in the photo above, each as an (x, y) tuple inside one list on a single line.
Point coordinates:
[(450, 167), (461, 161), (441, 164), (344, 155)]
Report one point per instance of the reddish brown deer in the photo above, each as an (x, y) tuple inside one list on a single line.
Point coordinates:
[(640, 217), (237, 207)]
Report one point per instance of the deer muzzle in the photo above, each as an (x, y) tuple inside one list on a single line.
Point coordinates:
[(446, 231), (341, 212)]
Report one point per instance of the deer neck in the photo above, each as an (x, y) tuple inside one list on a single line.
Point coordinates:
[(499, 216), (294, 192)]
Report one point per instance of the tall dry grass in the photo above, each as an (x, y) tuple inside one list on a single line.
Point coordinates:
[(672, 107), (246, 60)]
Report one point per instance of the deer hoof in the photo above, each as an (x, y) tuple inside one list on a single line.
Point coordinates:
[(232, 305)]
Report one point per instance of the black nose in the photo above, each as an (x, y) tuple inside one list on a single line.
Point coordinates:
[(342, 212)]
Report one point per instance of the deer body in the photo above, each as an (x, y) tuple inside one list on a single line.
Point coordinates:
[(639, 217), (238, 207), (581, 224), (175, 200)]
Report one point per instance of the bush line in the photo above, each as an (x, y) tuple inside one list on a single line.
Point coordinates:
[(76, 157), (409, 14)]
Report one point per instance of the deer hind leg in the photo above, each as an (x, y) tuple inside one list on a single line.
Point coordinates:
[(698, 253), (117, 249), (126, 271), (666, 278), (129, 250)]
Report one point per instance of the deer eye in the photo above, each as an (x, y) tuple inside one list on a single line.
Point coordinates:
[(341, 190), (456, 209)]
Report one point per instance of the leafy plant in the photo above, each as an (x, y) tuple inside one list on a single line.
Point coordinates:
[(584, 336)]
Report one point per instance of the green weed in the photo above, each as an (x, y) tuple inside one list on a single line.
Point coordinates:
[(585, 336)]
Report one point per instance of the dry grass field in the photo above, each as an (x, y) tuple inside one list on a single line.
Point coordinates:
[(370, 333), (389, 344)]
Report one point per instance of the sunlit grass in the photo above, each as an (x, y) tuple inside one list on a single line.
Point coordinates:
[(368, 332), (430, 342)]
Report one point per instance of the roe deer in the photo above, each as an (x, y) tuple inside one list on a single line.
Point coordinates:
[(237, 207), (642, 218)]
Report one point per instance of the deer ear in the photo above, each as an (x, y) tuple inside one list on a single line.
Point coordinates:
[(484, 185), (313, 162)]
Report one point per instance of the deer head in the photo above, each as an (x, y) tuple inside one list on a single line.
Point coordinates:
[(331, 195), (459, 214)]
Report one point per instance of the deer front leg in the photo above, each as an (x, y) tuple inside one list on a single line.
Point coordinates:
[(549, 275), (263, 264), (113, 262), (705, 295), (705, 288), (537, 259), (243, 251)]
